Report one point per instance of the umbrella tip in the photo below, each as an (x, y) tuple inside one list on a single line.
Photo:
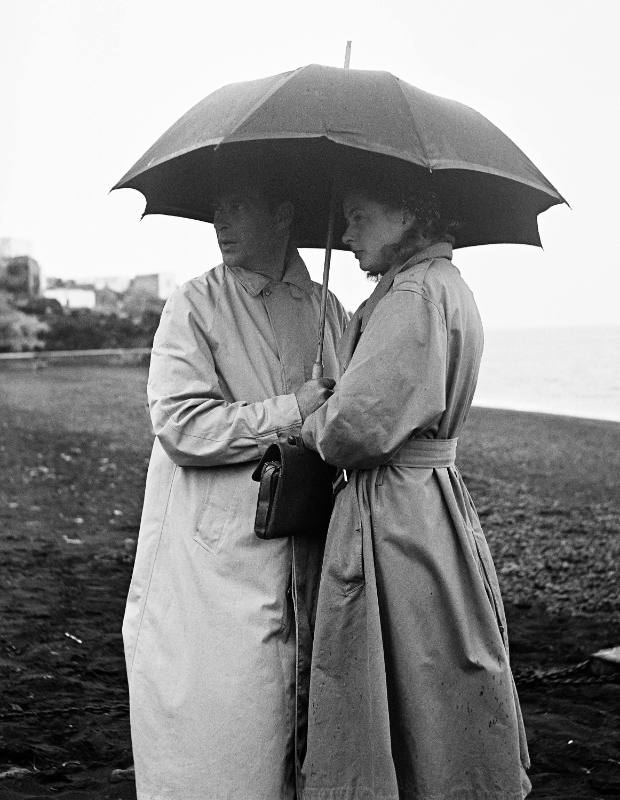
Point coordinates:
[(347, 55)]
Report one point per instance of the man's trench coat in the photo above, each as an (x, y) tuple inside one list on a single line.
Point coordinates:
[(411, 692), (209, 631)]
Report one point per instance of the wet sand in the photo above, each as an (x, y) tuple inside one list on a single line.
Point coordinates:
[(74, 447)]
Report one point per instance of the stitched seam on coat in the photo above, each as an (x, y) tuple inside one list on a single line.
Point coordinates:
[(403, 288), (148, 586), (268, 432), (188, 291), (216, 308)]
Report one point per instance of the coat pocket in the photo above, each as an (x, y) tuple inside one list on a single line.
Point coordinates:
[(344, 556), (219, 512), (356, 578), (489, 578)]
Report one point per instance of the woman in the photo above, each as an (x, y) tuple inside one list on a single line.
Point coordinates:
[(411, 693)]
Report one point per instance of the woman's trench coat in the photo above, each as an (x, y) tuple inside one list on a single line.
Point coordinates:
[(411, 692), (209, 630)]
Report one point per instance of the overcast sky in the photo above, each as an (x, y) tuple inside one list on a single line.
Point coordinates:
[(86, 86)]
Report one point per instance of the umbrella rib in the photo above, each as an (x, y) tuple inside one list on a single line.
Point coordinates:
[(413, 121), (268, 93), (216, 143)]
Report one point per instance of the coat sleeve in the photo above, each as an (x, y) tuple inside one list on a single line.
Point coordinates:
[(393, 388), (195, 424)]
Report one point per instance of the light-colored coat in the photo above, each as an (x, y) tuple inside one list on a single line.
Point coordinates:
[(208, 630), (411, 692)]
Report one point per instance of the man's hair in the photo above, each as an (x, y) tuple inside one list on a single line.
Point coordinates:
[(269, 185)]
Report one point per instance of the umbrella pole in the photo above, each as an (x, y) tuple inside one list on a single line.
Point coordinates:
[(317, 367)]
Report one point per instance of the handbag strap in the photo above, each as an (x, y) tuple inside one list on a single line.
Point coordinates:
[(263, 505)]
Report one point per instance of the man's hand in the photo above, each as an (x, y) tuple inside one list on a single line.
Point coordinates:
[(313, 394)]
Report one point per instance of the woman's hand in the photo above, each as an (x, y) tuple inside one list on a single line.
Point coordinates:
[(313, 394)]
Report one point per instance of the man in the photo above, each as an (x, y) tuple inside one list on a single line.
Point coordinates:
[(209, 630)]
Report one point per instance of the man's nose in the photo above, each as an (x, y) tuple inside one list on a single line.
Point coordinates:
[(346, 236)]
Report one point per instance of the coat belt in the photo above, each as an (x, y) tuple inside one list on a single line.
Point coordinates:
[(425, 454)]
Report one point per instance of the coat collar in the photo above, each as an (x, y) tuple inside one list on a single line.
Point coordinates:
[(295, 273), (438, 250)]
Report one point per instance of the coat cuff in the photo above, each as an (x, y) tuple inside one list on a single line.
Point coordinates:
[(286, 411)]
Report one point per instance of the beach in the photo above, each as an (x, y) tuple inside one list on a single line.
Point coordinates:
[(75, 442)]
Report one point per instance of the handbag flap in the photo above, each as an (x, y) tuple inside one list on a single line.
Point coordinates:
[(302, 499)]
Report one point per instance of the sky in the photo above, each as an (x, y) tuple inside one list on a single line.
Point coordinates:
[(86, 86)]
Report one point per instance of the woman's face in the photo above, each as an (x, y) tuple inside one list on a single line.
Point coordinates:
[(371, 227)]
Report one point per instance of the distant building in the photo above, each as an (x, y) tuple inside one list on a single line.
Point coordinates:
[(72, 296), (70, 293), (146, 294), (158, 284), (108, 300), (113, 295), (20, 276), (117, 283)]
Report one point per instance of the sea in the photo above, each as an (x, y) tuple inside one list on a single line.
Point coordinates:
[(569, 371)]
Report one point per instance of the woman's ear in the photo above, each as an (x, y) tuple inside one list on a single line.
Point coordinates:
[(408, 217)]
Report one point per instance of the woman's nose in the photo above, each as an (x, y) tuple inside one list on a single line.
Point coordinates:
[(219, 218)]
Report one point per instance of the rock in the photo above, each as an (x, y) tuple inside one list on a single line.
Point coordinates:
[(68, 540), (16, 773), (118, 775), (605, 662)]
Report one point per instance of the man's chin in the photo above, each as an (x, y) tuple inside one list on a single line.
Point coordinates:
[(232, 260)]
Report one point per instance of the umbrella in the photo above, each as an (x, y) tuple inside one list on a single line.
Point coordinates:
[(314, 122), (315, 119)]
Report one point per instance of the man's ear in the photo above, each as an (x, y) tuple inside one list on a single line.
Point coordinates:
[(284, 215)]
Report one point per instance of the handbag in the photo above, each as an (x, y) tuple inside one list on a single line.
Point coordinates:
[(295, 493)]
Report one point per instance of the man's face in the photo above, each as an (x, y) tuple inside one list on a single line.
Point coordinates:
[(246, 228)]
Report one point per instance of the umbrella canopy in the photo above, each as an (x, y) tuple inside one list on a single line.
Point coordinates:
[(311, 123)]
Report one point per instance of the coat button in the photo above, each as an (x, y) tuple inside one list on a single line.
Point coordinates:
[(292, 440), (267, 292)]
